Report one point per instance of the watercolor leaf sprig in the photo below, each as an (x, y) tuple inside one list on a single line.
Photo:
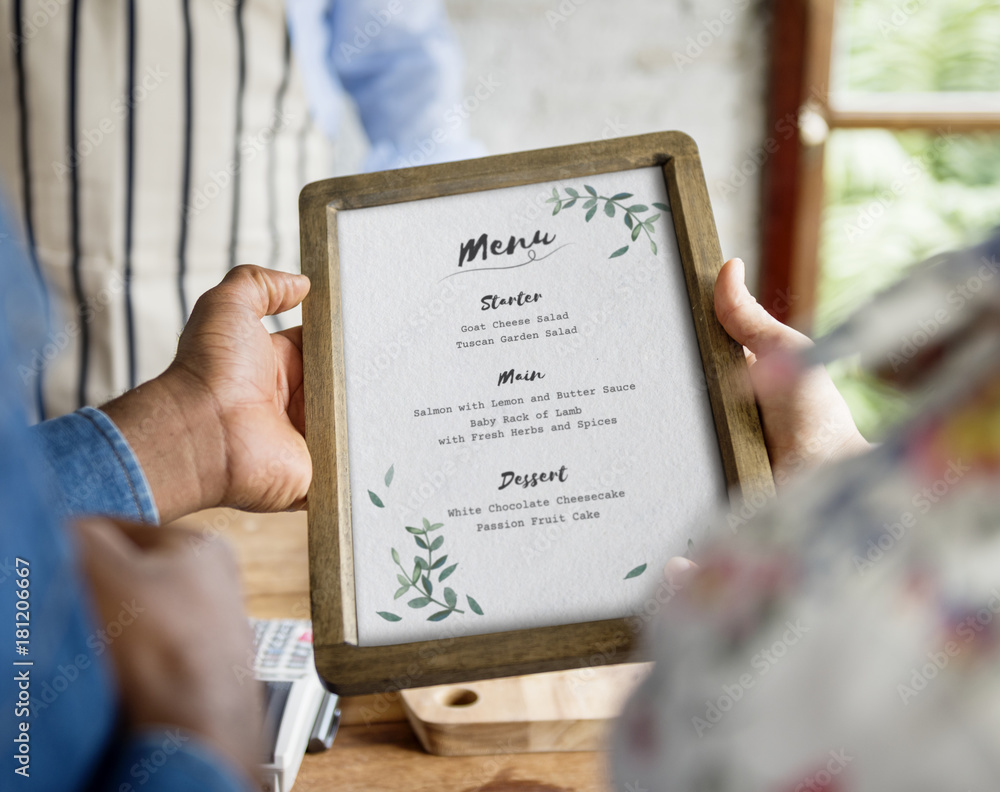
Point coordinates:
[(419, 580), (591, 201)]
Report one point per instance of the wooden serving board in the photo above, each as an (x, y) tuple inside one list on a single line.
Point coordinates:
[(556, 711)]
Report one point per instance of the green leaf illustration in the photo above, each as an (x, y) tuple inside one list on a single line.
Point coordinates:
[(474, 605), (631, 215), (636, 572), (424, 566)]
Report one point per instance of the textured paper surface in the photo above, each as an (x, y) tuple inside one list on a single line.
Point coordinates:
[(428, 468)]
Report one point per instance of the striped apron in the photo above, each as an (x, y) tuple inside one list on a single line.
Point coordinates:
[(146, 148)]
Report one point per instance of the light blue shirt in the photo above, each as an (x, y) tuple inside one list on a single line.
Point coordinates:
[(399, 61)]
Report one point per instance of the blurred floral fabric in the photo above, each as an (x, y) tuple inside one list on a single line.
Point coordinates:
[(846, 637)]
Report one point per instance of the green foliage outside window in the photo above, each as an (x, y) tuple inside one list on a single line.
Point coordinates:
[(893, 199)]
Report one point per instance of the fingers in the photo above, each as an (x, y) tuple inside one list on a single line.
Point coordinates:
[(678, 571), (126, 542), (745, 319), (103, 544), (297, 410), (116, 542), (150, 537), (293, 334), (288, 353), (266, 292)]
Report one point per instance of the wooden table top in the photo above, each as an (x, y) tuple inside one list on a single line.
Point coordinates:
[(375, 748)]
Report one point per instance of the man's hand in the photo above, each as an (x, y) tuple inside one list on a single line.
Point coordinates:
[(223, 425), (175, 661), (806, 421)]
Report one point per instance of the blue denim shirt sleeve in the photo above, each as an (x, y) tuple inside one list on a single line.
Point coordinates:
[(60, 726), (169, 759), (92, 468), (400, 63)]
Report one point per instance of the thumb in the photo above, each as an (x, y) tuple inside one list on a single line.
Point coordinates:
[(746, 320), (266, 292)]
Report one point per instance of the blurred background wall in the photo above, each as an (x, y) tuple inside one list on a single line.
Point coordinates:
[(570, 71)]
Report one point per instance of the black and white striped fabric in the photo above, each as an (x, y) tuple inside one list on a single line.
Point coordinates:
[(146, 147)]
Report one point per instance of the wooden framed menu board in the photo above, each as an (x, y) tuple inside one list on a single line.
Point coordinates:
[(519, 405)]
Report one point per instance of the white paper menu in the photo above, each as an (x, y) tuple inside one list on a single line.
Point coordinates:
[(529, 431)]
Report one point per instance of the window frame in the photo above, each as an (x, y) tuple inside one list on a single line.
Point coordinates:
[(792, 200)]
